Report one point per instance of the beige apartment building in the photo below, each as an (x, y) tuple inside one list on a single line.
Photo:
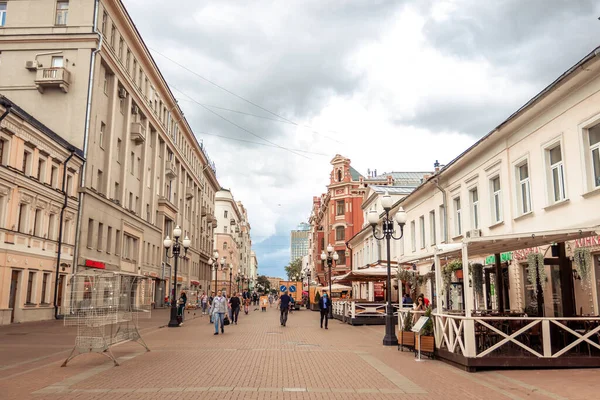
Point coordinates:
[(39, 175), (82, 68)]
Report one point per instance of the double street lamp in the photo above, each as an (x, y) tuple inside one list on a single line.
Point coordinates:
[(176, 250), (331, 256), (390, 338), (215, 265)]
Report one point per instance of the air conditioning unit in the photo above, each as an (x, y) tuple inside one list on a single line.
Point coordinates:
[(31, 65), (474, 233), (122, 93), (135, 110)]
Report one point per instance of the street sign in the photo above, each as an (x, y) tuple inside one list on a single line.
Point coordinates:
[(282, 288), (292, 288)]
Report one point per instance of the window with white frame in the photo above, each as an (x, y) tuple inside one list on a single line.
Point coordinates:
[(457, 217), (422, 230), (62, 12), (496, 196), (27, 161), (2, 13), (22, 220), (413, 236), (340, 233), (474, 197), (432, 230), (556, 173), (594, 152), (523, 189)]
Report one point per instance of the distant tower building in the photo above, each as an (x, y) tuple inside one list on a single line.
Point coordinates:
[(299, 241)]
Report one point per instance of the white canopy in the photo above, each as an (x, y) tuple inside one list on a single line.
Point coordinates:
[(374, 274), (335, 286)]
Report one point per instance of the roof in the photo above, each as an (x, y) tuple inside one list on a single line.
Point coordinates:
[(373, 274), (15, 109), (355, 174), (413, 179), (380, 189)]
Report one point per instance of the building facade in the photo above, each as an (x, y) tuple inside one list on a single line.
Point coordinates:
[(253, 269), (83, 69), (39, 181), (299, 241), (537, 172)]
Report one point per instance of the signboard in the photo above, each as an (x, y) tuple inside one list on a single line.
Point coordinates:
[(283, 288), (293, 288), (378, 291), (504, 257), (95, 264), (418, 326), (264, 301)]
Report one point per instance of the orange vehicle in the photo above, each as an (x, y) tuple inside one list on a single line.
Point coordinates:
[(294, 290)]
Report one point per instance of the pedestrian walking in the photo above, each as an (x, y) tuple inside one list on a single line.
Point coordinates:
[(234, 304), (255, 298), (284, 308), (218, 310), (270, 300), (181, 307), (325, 306), (247, 305), (203, 303)]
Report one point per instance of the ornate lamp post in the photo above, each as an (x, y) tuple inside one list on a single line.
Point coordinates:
[(331, 256), (216, 264), (230, 276), (390, 338), (175, 249), (308, 279)]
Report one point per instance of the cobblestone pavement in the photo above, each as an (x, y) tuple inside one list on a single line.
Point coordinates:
[(257, 359)]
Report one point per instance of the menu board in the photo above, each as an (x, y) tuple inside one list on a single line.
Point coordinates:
[(418, 326)]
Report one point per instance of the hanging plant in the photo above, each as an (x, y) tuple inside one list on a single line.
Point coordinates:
[(582, 259), (535, 262), (476, 272), (447, 271), (413, 278)]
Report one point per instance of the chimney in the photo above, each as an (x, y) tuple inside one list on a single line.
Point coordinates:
[(436, 165)]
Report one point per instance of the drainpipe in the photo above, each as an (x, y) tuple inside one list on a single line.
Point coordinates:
[(436, 182), (88, 111), (60, 232)]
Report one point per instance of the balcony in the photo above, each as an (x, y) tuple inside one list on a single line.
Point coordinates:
[(52, 78), (170, 170), (232, 221), (138, 132), (189, 193), (204, 211)]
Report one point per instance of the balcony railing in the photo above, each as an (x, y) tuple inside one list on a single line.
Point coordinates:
[(138, 132), (53, 78), (170, 170)]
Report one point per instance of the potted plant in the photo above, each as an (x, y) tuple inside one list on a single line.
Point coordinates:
[(407, 337), (454, 266), (426, 343)]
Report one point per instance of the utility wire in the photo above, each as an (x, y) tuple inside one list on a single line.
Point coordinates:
[(260, 144), (240, 97), (238, 126)]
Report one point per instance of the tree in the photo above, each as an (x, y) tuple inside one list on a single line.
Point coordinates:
[(264, 282), (294, 270)]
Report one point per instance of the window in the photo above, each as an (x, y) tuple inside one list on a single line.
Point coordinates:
[(341, 257), (432, 232), (131, 163), (225, 213), (22, 221), (90, 233), (139, 167), (29, 298), (62, 11), (41, 172), (54, 176), (496, 195), (130, 200), (117, 242), (3, 150), (224, 245), (556, 174), (117, 192), (37, 222), (457, 217), (99, 181), (120, 48), (422, 228), (113, 30), (524, 189), (44, 299), (119, 151), (69, 188), (594, 140), (339, 209), (224, 229), (413, 236), (134, 69), (109, 239), (340, 233), (51, 226), (127, 61), (474, 196), (26, 167), (104, 19), (2, 13), (57, 62), (100, 234)]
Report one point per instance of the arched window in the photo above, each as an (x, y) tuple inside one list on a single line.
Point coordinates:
[(339, 176)]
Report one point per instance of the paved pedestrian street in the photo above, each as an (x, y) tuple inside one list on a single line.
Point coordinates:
[(257, 359)]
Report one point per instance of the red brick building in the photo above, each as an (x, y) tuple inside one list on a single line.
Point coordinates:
[(336, 217)]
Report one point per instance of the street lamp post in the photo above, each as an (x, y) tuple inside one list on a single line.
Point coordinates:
[(308, 278), (230, 275), (216, 263), (390, 338), (331, 256), (176, 250)]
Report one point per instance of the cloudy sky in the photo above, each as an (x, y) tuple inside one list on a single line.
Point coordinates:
[(392, 85)]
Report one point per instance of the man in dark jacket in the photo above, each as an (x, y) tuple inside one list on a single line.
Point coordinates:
[(234, 302), (325, 306)]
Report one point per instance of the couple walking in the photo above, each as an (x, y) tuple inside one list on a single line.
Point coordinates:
[(219, 308)]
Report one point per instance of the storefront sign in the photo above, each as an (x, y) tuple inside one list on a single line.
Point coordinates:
[(593, 241), (378, 291), (522, 254), (504, 257), (95, 264)]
